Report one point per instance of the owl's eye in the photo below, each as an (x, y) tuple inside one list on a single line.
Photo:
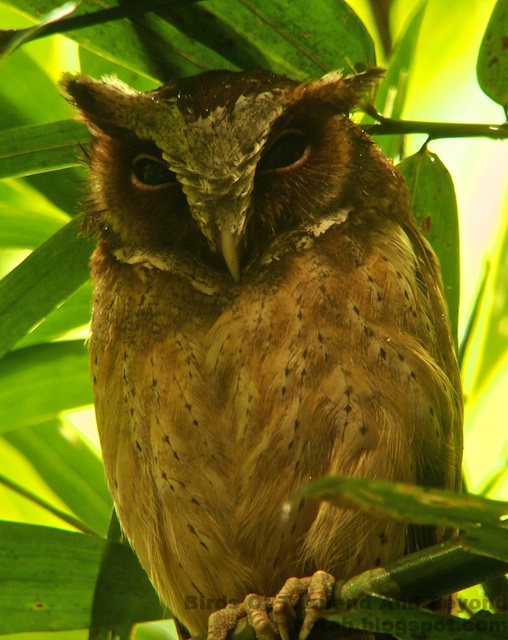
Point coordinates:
[(288, 152), (149, 173)]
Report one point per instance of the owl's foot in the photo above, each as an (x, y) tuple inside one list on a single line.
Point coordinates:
[(255, 608), (319, 587)]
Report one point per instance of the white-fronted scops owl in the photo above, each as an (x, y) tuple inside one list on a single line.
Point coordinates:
[(266, 313)]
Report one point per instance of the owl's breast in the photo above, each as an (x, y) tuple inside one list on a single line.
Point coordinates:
[(210, 380), (223, 401)]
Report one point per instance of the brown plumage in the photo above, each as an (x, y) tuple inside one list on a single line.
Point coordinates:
[(265, 313)]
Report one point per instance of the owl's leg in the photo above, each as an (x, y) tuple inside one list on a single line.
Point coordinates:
[(319, 587)]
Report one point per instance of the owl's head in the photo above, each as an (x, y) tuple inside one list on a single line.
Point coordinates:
[(220, 164)]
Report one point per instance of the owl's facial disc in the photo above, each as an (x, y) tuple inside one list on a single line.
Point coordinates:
[(214, 153), (232, 149)]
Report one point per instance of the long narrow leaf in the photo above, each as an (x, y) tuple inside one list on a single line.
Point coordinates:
[(391, 97), (299, 39), (39, 382), (45, 279), (72, 315), (70, 468), (408, 503), (40, 148), (495, 338), (48, 581), (373, 613)]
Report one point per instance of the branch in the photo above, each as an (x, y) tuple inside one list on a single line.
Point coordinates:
[(435, 130), (419, 578), (426, 575)]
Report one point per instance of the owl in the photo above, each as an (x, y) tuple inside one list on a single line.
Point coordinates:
[(266, 313)]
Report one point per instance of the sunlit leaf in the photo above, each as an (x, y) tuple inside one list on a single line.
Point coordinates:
[(155, 631), (495, 323), (391, 97), (26, 229), (45, 279), (39, 382), (71, 316), (492, 66), (70, 468), (11, 40), (27, 94)]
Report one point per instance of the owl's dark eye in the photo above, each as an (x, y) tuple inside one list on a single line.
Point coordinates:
[(288, 152), (150, 173)]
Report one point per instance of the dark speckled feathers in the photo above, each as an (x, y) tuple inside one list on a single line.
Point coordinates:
[(265, 313)]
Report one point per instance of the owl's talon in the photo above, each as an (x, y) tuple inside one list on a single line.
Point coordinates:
[(320, 590), (285, 602), (221, 622), (283, 611), (256, 608), (319, 586)]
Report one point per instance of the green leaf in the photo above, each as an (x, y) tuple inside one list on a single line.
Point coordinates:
[(382, 615), (434, 206), (49, 581), (41, 148), (69, 467), (494, 333), (46, 278), (26, 229), (488, 541), (407, 502), (71, 316), (299, 39), (391, 96), (155, 631), (39, 382), (18, 37), (28, 94), (424, 576), (492, 65)]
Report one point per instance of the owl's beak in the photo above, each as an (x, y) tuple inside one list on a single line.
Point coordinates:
[(230, 252)]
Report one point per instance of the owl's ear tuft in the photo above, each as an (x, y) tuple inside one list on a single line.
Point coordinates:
[(344, 93), (103, 104)]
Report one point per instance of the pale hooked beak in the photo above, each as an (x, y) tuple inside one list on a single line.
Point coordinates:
[(230, 252)]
